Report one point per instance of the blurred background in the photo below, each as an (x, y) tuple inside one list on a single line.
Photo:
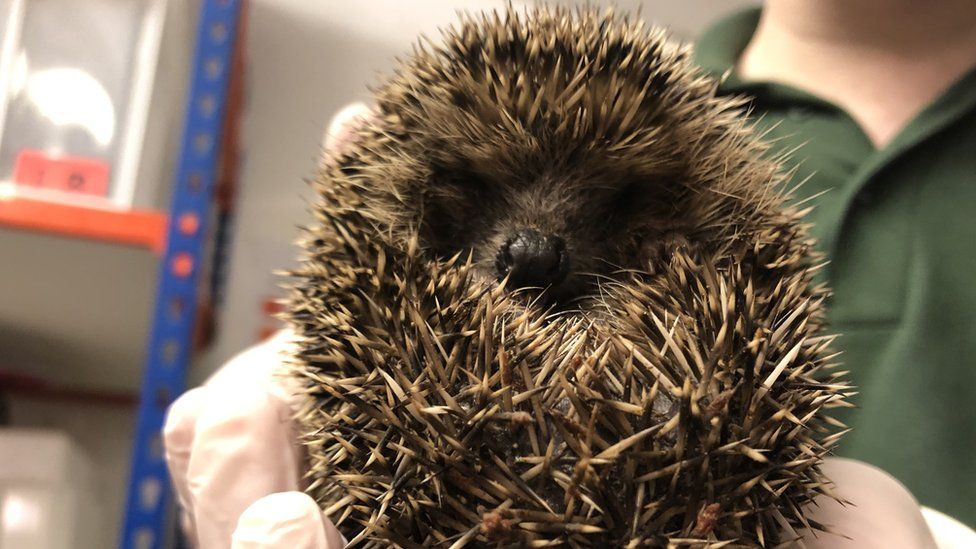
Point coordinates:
[(152, 157)]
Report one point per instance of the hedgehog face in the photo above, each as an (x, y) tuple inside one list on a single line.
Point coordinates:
[(562, 230), (558, 157), (560, 154)]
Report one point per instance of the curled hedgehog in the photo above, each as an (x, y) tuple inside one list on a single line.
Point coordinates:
[(555, 295)]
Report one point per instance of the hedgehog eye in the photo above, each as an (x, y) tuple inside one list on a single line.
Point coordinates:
[(644, 192), (628, 196), (628, 191), (469, 181), (461, 182)]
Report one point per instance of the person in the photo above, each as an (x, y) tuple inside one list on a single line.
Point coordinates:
[(882, 96), (877, 99)]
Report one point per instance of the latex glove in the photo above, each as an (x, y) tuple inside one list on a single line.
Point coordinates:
[(342, 129), (229, 444), (881, 514), (949, 533), (289, 520)]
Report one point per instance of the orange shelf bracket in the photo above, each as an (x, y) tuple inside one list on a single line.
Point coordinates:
[(143, 228)]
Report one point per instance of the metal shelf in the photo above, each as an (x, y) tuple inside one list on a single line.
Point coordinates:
[(142, 228), (148, 499)]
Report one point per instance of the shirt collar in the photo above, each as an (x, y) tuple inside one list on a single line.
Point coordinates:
[(720, 46), (718, 51)]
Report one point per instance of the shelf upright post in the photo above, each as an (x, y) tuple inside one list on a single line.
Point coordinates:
[(170, 343)]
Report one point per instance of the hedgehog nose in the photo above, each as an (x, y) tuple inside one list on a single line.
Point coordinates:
[(529, 258)]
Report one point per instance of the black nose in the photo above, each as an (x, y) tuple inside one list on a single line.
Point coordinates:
[(530, 259)]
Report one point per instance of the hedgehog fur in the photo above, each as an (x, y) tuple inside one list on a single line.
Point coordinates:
[(673, 390)]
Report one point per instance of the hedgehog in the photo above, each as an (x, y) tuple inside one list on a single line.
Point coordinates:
[(556, 294)]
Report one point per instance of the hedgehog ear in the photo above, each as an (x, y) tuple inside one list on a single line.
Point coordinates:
[(342, 128)]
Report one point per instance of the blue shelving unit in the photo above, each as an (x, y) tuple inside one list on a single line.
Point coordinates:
[(149, 500)]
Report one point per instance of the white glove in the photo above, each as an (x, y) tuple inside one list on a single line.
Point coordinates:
[(949, 533), (882, 513), (289, 520), (231, 448), (231, 443)]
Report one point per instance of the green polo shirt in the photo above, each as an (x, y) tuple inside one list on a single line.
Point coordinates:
[(899, 227)]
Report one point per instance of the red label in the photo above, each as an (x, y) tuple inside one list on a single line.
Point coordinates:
[(73, 174)]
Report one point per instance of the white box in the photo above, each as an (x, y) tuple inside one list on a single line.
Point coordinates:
[(46, 491)]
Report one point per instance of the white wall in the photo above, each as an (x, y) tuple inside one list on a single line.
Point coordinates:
[(306, 60)]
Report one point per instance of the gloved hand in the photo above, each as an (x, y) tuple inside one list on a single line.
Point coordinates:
[(881, 514), (287, 520), (235, 460), (230, 445)]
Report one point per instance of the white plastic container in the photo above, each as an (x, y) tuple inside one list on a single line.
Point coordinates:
[(46, 495), (79, 82)]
